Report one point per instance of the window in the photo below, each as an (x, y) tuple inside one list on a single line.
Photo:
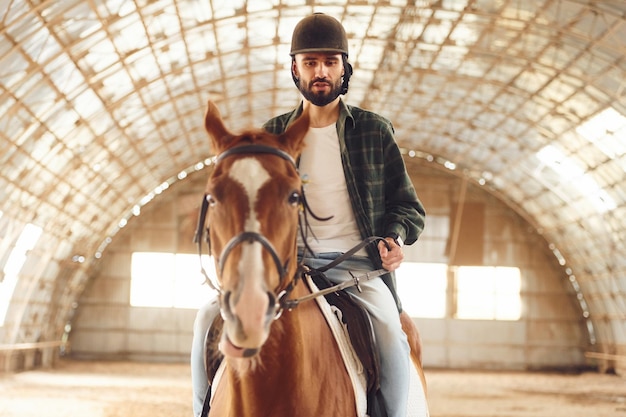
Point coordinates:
[(488, 293), (422, 289), (169, 280), (26, 241)]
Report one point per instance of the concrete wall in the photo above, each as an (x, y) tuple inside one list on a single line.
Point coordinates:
[(550, 334), (106, 325)]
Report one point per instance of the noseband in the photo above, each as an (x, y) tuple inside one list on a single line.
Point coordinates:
[(245, 236)]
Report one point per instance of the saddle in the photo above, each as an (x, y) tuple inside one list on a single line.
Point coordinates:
[(358, 324)]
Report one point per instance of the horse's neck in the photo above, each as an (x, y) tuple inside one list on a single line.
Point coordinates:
[(299, 370)]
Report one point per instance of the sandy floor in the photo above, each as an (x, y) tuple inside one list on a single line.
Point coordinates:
[(120, 389)]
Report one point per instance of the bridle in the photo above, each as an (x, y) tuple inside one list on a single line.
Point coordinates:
[(245, 236)]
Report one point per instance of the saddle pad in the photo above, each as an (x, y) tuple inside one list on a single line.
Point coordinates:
[(350, 358), (417, 405)]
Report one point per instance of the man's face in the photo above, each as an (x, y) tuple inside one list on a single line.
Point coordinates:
[(320, 76)]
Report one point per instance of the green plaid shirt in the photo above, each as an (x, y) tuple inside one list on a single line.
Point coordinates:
[(382, 195)]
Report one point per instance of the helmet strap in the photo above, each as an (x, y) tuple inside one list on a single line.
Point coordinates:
[(295, 79)]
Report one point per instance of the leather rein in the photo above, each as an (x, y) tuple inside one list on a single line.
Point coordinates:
[(249, 237)]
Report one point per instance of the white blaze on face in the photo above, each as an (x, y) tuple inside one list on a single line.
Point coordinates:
[(251, 304), (251, 175)]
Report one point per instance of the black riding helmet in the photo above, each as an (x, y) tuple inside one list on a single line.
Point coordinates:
[(321, 33)]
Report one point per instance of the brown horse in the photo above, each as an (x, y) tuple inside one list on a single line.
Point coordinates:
[(278, 362)]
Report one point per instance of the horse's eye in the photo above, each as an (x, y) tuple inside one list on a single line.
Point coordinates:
[(294, 198), (210, 200)]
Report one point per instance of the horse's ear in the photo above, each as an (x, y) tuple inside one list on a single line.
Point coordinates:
[(215, 127), (293, 138)]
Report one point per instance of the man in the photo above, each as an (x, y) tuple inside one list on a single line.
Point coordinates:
[(354, 175)]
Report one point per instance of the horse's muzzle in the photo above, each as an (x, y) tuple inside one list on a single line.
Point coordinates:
[(245, 328)]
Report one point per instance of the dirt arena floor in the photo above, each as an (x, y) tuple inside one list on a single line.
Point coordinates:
[(123, 389)]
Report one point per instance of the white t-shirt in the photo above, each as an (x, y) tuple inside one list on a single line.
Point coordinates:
[(327, 193)]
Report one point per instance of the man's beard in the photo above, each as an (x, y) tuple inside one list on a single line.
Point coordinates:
[(321, 98)]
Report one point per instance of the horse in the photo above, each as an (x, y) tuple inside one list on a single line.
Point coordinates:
[(279, 361)]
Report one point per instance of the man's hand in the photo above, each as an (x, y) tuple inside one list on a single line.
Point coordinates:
[(391, 258)]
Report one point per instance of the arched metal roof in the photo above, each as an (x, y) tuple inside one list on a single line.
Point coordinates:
[(102, 103)]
